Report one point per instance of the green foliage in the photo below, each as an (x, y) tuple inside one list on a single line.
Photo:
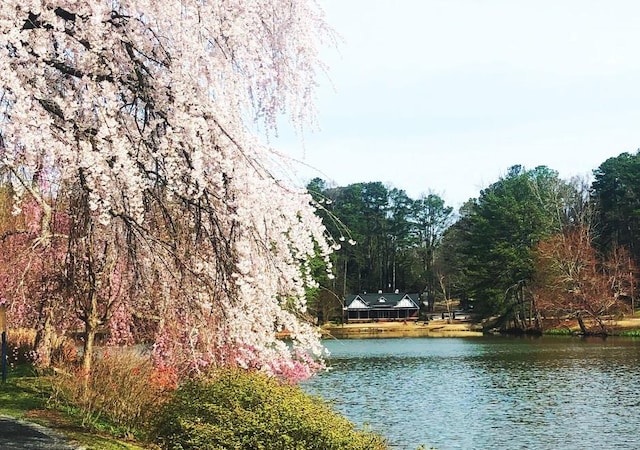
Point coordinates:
[(498, 231), (630, 333), (431, 218), (565, 331), (240, 410), (616, 190), (22, 391), (396, 236)]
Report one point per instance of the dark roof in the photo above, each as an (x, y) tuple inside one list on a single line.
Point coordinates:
[(382, 300)]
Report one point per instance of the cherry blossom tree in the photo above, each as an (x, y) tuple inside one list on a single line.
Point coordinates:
[(143, 113), (32, 249)]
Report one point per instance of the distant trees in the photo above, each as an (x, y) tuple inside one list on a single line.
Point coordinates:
[(589, 269), (430, 219), (395, 237), (530, 244), (501, 243), (573, 280), (577, 278), (497, 232), (533, 243), (616, 193)]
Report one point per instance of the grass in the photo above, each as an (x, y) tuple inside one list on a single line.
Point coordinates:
[(21, 393), (630, 333), (564, 331), (25, 395)]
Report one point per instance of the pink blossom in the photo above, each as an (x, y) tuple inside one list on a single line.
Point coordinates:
[(137, 115)]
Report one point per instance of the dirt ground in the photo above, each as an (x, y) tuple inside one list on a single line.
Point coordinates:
[(630, 323), (403, 329), (615, 326)]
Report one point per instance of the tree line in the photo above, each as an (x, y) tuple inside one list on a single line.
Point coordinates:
[(530, 246), (386, 240)]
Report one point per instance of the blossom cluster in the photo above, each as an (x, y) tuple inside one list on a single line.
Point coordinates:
[(147, 107)]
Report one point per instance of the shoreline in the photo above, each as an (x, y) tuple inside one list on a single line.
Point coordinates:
[(445, 328), (433, 328)]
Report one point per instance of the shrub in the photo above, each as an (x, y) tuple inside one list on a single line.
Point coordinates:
[(123, 392), (563, 331), (241, 410), (630, 333)]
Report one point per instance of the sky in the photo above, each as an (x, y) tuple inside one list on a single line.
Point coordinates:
[(444, 96)]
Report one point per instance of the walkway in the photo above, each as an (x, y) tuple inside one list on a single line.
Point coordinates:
[(21, 435)]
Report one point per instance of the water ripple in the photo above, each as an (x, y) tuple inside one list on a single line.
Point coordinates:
[(491, 392)]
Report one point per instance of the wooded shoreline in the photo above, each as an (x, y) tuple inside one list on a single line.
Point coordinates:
[(454, 328)]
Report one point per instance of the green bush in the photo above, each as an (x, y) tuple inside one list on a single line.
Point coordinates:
[(565, 331), (240, 410), (630, 333)]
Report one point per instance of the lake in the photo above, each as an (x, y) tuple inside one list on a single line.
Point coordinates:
[(489, 392)]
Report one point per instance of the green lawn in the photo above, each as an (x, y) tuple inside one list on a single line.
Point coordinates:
[(21, 393), (25, 395)]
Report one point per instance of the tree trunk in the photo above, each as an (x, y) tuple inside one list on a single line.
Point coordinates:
[(90, 328), (583, 327), (87, 354), (43, 345), (603, 327), (538, 321)]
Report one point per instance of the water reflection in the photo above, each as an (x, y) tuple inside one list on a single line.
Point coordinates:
[(480, 393)]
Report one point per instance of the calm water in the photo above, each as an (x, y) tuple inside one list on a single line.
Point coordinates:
[(489, 392)]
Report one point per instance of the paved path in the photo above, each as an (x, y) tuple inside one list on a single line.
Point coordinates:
[(22, 435)]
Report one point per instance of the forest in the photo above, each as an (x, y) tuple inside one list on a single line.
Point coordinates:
[(531, 244)]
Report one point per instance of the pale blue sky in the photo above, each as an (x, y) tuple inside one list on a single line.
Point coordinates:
[(445, 95)]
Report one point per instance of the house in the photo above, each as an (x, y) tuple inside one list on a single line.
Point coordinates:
[(381, 306)]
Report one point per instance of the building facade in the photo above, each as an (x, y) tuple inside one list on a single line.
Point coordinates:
[(382, 307)]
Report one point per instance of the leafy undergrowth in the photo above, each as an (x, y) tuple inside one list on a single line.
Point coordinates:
[(630, 333), (239, 410), (232, 409), (564, 331)]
